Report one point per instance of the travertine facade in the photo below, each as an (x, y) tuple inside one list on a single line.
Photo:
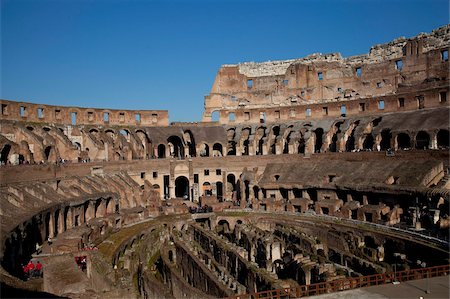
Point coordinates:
[(402, 75), (274, 199)]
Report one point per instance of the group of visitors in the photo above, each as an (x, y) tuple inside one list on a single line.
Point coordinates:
[(31, 270), (81, 262)]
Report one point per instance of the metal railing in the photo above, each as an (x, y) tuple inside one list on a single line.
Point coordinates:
[(348, 283)]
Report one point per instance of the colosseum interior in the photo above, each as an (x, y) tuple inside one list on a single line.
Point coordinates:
[(304, 176)]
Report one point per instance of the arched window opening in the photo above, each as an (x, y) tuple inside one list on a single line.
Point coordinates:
[(403, 141), (176, 147), (215, 116), (368, 142), (231, 148), (5, 154), (319, 140), (217, 150), (386, 137), (47, 151), (204, 150), (422, 140), (256, 192), (161, 151), (443, 139), (189, 140)]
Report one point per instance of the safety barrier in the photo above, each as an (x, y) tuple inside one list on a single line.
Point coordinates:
[(348, 283)]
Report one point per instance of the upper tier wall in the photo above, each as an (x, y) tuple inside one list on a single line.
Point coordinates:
[(30, 112), (403, 68)]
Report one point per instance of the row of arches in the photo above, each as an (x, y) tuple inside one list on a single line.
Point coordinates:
[(22, 241)]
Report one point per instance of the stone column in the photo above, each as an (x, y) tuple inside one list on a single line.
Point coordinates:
[(51, 225), (61, 221)]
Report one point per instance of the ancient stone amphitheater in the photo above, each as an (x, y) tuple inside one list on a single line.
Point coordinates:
[(305, 176)]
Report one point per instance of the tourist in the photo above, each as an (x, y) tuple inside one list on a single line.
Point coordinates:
[(31, 268), (26, 271), (38, 272)]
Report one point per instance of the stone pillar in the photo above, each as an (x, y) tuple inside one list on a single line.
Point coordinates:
[(307, 276), (51, 225), (69, 219), (433, 141), (61, 221)]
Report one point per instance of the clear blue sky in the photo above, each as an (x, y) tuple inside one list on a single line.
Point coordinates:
[(165, 54)]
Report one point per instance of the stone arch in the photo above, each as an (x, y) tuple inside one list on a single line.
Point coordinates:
[(422, 140), (215, 116), (256, 192), (4, 156), (231, 185), (403, 141), (336, 130), (161, 151), (145, 142), (287, 139), (245, 141), (318, 137), (274, 134), (368, 142), (217, 150), (204, 150), (182, 187), (190, 142), (386, 137), (259, 139), (176, 147), (442, 138)]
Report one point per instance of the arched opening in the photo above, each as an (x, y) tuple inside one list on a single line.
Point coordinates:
[(207, 190), (386, 137), (182, 187), (189, 140), (259, 137), (5, 153), (161, 151), (217, 150), (260, 147), (47, 151), (204, 150), (231, 183), (443, 139), (403, 141), (245, 141), (319, 140), (368, 142), (231, 148), (287, 140), (275, 134), (246, 148), (219, 190), (215, 116), (256, 192), (422, 140), (247, 190), (176, 147)]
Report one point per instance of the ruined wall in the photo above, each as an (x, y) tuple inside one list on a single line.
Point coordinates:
[(405, 74), (30, 112)]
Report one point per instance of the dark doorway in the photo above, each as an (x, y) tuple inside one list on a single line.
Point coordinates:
[(182, 187)]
